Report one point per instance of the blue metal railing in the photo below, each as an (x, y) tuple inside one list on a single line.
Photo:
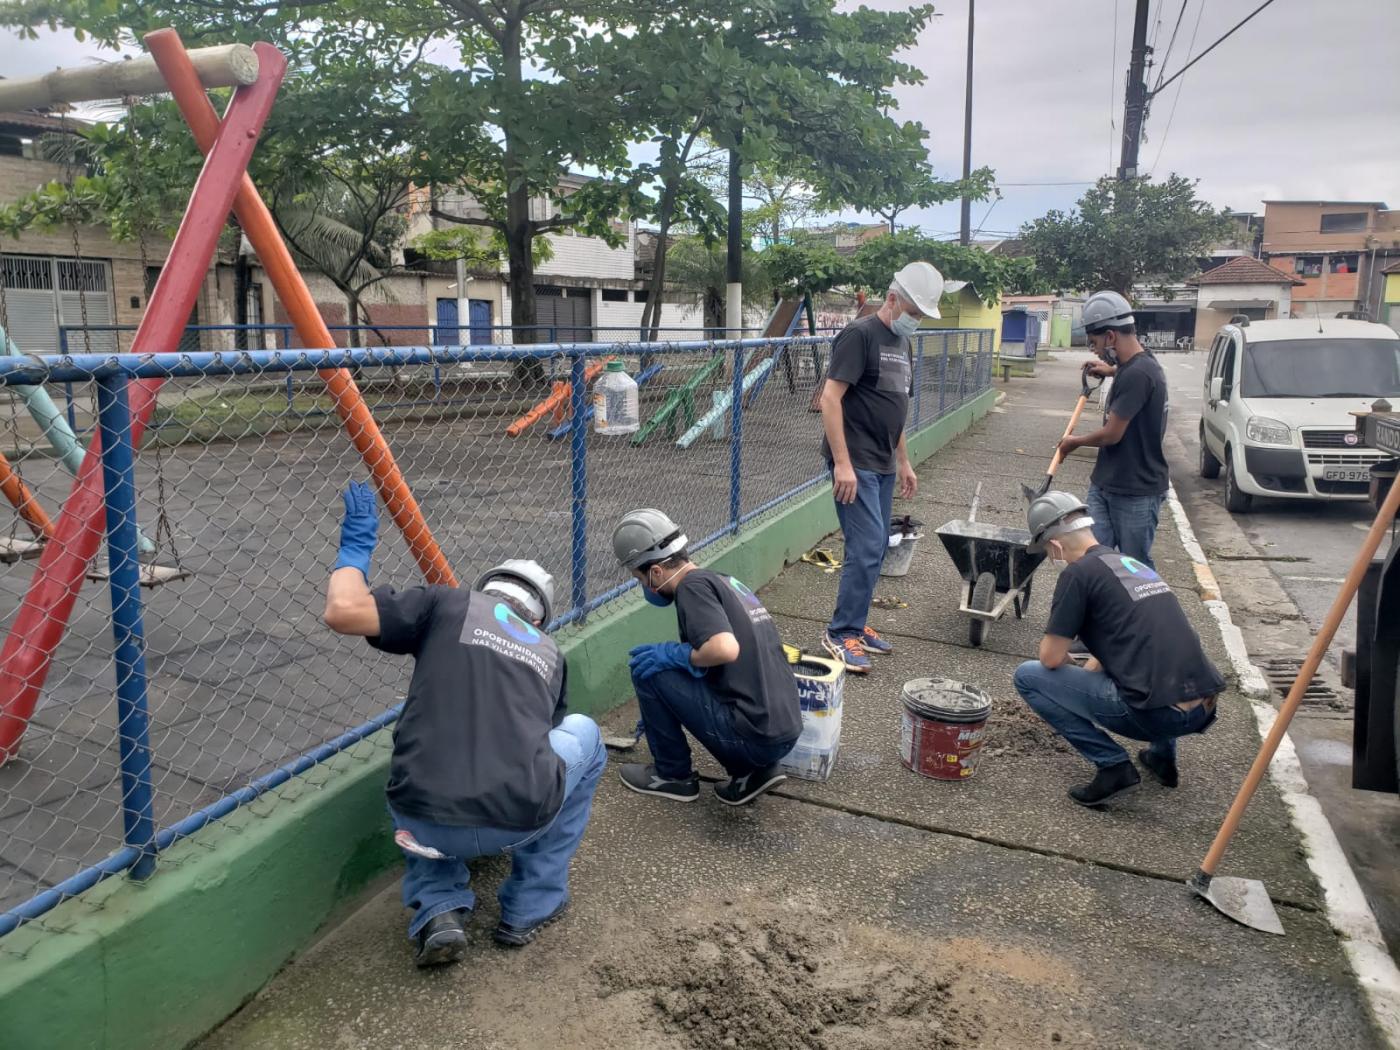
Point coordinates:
[(113, 374)]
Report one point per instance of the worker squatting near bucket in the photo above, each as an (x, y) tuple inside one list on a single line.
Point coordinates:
[(487, 758)]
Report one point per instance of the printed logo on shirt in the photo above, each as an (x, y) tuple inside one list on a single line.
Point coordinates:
[(757, 613), (1136, 578), (894, 370), (515, 626), (494, 627)]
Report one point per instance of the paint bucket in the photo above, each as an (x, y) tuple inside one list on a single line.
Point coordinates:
[(820, 687), (942, 729), (905, 533)]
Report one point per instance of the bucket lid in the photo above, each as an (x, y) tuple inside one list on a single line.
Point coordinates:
[(616, 366), (946, 699)]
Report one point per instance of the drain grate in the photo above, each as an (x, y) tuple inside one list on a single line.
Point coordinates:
[(1282, 670)]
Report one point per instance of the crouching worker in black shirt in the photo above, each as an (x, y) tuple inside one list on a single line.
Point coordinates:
[(726, 681), (1148, 679), (485, 759)]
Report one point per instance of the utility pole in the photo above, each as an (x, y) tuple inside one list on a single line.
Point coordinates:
[(734, 254), (965, 234), (1135, 104)]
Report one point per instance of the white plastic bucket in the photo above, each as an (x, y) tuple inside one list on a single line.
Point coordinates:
[(900, 554)]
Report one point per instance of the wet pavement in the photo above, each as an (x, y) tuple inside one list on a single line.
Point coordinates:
[(1023, 919)]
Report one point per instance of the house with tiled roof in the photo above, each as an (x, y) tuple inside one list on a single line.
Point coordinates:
[(1242, 286)]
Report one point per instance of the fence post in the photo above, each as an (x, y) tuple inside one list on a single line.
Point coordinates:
[(578, 473), (943, 377), (133, 729), (736, 438), (918, 379)]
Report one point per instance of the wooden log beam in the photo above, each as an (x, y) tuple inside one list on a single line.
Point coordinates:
[(229, 65)]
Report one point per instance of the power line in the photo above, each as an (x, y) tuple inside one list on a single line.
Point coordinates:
[(1171, 43), (1112, 69), (1230, 32), (987, 216), (1177, 97)]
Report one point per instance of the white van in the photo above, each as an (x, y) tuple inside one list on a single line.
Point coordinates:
[(1278, 402)]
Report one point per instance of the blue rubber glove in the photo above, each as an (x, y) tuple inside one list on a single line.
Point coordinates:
[(652, 659), (359, 529)]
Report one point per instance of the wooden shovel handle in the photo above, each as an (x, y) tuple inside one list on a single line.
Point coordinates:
[(1057, 459), (1321, 641)]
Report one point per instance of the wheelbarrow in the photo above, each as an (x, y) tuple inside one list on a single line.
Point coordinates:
[(995, 566)]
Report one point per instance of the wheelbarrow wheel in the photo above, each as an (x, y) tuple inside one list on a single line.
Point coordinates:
[(984, 595)]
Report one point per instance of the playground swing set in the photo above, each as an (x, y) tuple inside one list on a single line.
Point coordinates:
[(66, 547)]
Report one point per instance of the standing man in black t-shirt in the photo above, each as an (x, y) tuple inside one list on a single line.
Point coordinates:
[(727, 680), (485, 759), (1130, 476), (1148, 678), (865, 402)]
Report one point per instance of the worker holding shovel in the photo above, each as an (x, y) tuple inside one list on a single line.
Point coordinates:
[(1148, 678), (1130, 477)]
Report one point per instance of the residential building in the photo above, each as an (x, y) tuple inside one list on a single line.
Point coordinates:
[(1338, 249), (847, 237), (1243, 286)]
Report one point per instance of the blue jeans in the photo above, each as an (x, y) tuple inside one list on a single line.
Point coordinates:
[(1128, 523), (538, 884), (1075, 702), (865, 524), (674, 701)]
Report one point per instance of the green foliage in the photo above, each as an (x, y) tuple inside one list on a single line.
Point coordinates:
[(804, 264), (698, 268), (877, 260), (1127, 233)]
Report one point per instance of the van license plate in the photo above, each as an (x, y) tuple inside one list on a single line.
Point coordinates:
[(1346, 473)]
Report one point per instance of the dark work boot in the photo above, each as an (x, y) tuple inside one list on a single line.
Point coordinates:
[(1163, 769), (645, 780), (442, 940), (1108, 783)]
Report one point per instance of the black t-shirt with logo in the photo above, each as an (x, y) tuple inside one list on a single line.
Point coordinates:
[(760, 683), (875, 362), (1137, 465), (471, 748), (1129, 619)]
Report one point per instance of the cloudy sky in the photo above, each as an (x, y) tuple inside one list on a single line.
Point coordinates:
[(1303, 102)]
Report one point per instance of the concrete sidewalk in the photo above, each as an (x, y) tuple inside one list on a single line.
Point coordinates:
[(880, 908)]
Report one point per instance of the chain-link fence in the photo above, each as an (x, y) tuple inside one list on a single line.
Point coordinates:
[(235, 499)]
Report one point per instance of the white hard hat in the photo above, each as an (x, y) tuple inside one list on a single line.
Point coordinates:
[(922, 285), (1104, 310), (525, 581)]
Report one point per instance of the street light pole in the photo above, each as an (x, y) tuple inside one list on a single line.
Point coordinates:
[(734, 254), (1135, 102), (965, 231)]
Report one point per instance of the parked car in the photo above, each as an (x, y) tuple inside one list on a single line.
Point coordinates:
[(1278, 402)]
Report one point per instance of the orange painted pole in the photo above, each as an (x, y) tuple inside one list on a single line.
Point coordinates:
[(553, 403), (258, 226), (23, 501)]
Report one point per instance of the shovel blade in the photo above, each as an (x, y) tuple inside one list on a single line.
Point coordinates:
[(1032, 494), (1244, 900)]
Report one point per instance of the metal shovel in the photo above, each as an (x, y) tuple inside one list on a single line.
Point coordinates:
[(1032, 493), (1246, 900)]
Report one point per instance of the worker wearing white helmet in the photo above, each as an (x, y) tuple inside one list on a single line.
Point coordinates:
[(1148, 677), (726, 681), (864, 405), (1130, 476), (485, 759)]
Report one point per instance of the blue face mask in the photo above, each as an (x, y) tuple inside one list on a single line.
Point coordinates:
[(906, 325), (656, 598)]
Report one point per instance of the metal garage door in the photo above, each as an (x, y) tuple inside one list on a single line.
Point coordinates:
[(41, 292), (569, 311)]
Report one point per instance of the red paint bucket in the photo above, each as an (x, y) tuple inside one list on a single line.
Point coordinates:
[(942, 729)]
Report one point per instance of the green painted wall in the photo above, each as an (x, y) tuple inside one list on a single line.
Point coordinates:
[(141, 966)]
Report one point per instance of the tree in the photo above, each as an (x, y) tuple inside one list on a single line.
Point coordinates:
[(698, 268), (1126, 233), (926, 191), (804, 265), (798, 87), (497, 122), (877, 261)]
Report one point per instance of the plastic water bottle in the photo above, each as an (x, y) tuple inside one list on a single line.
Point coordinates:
[(616, 409)]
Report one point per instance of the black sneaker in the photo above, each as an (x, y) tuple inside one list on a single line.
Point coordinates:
[(442, 940), (643, 780), (1108, 783), (519, 936), (739, 791), (1163, 770)]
